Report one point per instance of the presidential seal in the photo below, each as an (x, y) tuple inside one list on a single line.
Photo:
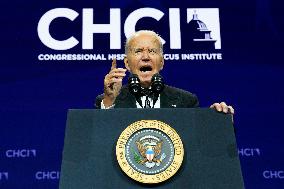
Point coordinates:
[(149, 151)]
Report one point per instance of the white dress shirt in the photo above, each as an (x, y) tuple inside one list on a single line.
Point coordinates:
[(143, 99)]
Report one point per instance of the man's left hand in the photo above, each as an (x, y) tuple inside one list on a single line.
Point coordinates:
[(223, 107)]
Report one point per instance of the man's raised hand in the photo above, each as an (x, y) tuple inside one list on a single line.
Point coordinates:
[(112, 84)]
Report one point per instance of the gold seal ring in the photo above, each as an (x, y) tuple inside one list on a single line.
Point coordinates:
[(149, 151)]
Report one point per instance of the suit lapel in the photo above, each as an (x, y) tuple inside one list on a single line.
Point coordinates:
[(168, 100), (125, 99)]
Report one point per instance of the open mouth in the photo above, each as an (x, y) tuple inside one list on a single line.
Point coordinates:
[(146, 68)]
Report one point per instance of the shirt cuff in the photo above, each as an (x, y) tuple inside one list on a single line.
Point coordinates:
[(103, 106)]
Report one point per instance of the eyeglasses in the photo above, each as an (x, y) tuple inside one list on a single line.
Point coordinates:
[(140, 51)]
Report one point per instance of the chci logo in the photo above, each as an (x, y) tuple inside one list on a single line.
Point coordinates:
[(149, 151)]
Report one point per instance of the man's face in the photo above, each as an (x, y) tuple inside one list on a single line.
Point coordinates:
[(144, 57)]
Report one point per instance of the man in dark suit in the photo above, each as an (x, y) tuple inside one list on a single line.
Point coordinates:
[(144, 57), (170, 98)]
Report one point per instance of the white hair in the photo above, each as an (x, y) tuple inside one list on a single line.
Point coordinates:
[(158, 37)]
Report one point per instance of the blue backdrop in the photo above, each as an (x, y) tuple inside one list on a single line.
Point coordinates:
[(36, 94)]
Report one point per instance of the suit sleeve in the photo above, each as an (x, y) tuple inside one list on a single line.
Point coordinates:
[(98, 101), (195, 101), (191, 101)]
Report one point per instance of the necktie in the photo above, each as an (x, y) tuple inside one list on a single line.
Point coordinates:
[(147, 93), (147, 102)]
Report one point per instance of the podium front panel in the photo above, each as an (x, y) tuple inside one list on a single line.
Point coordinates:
[(210, 160)]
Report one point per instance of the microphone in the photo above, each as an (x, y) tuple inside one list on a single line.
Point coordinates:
[(157, 83), (157, 86), (135, 87)]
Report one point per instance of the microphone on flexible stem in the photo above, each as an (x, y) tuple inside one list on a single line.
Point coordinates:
[(157, 86), (135, 87)]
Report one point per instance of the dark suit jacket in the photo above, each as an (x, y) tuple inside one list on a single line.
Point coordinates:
[(171, 97)]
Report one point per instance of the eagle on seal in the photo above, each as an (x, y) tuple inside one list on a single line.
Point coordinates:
[(149, 152)]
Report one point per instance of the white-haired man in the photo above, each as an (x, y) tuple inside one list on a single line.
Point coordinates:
[(144, 57)]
